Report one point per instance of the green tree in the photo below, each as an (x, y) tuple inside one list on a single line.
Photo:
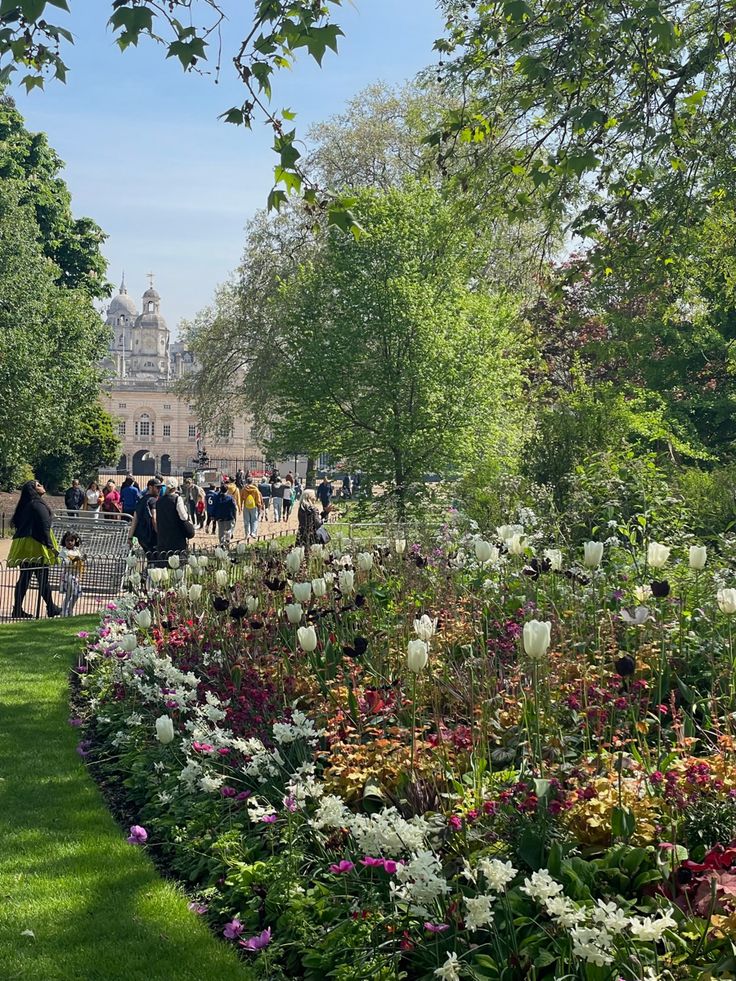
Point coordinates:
[(72, 244), (386, 355)]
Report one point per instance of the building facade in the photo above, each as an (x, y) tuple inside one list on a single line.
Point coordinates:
[(159, 430)]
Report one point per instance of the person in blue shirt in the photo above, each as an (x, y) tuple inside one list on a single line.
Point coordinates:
[(226, 512), (130, 494)]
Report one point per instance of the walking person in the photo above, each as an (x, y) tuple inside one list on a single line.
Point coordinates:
[(210, 501), (174, 527), (111, 506), (93, 499), (324, 493), (264, 489), (33, 548), (143, 525), (287, 495), (130, 494), (226, 513), (310, 519), (74, 497), (70, 555), (277, 496), (252, 503)]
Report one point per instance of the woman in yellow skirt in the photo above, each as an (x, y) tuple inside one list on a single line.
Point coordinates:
[(33, 548)]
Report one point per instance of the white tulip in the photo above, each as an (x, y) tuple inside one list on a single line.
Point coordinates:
[(505, 532), (174, 561), (155, 575), (554, 557), (642, 594), (241, 548), (726, 601), (592, 554), (698, 556), (128, 642), (399, 546), (131, 561), (516, 544), (294, 560), (417, 655), (425, 628), (317, 551), (657, 555), (329, 577), (195, 592), (293, 612), (143, 618), (537, 638), (346, 579), (164, 729), (307, 637), (252, 603), (180, 573), (184, 591), (637, 618), (365, 561), (135, 579), (319, 587), (483, 550), (192, 562), (221, 577), (220, 553), (302, 591), (202, 561)]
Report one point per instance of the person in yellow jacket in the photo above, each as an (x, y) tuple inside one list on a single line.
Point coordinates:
[(251, 502)]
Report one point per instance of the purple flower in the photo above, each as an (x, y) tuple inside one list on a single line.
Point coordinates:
[(290, 804), (138, 835), (233, 929), (76, 723), (244, 795), (83, 634), (390, 866), (228, 791), (83, 748), (372, 863), (258, 942), (199, 908), (342, 867), (268, 819), (436, 927)]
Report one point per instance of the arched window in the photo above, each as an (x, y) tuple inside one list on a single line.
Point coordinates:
[(151, 306), (144, 426)]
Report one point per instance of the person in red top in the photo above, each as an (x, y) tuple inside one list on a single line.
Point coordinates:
[(111, 505)]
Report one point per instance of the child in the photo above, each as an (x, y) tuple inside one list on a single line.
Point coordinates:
[(71, 570)]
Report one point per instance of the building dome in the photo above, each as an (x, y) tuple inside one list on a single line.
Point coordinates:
[(151, 294), (151, 320), (122, 304)]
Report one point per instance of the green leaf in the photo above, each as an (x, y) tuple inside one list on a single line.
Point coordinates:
[(234, 115), (623, 822), (276, 198), (32, 9)]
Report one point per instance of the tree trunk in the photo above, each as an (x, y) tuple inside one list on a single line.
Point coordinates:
[(310, 480), (399, 478)]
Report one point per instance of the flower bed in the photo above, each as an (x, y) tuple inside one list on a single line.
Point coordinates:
[(452, 758)]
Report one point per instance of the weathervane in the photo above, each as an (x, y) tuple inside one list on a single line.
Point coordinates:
[(150, 280)]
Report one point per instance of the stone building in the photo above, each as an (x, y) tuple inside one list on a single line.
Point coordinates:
[(159, 431)]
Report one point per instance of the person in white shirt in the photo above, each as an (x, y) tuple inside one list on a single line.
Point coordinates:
[(70, 556)]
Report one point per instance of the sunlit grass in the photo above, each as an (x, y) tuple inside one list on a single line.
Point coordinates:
[(96, 906)]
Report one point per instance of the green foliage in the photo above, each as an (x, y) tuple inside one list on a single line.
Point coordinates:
[(72, 244), (402, 369), (95, 443), (50, 343)]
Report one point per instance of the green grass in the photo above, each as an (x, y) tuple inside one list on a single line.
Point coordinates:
[(96, 905)]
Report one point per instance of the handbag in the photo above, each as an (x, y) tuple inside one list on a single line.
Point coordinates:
[(187, 526), (323, 535)]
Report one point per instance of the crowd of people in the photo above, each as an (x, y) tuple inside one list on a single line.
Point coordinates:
[(165, 517)]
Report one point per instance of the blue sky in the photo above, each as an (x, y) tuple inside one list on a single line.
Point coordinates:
[(148, 159)]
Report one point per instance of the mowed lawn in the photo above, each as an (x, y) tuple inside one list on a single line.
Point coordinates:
[(96, 906)]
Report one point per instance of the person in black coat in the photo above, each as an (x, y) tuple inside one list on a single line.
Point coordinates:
[(33, 548), (74, 497)]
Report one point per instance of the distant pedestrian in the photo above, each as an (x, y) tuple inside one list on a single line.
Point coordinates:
[(264, 488), (240, 479), (111, 506), (174, 527), (252, 503), (287, 493), (33, 548), (211, 508), (93, 499), (74, 497), (324, 493), (226, 513), (130, 494), (310, 520), (346, 486), (277, 496), (143, 525)]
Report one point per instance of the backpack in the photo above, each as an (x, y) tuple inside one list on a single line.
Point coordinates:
[(250, 501)]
